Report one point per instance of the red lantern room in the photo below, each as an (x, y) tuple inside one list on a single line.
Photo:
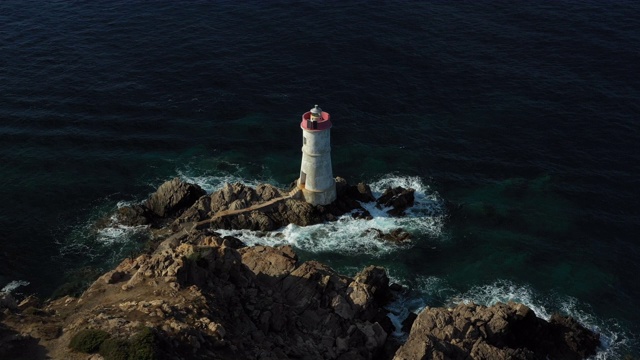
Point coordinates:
[(315, 120)]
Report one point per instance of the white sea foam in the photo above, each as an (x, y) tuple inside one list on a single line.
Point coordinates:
[(504, 291), (425, 216), (123, 203), (10, 287), (118, 233), (108, 243), (348, 235), (214, 183)]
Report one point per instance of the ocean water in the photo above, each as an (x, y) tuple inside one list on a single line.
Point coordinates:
[(525, 114)]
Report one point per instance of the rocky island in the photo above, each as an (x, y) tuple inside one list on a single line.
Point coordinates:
[(198, 295)]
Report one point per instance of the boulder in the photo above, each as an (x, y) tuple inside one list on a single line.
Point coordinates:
[(361, 192), (368, 293), (398, 199), (341, 186), (173, 197), (307, 286), (374, 283), (576, 342), (501, 331), (30, 301), (268, 192), (269, 264), (395, 236), (134, 215)]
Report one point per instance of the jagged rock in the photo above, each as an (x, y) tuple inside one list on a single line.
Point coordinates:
[(114, 276), (230, 193), (30, 301), (172, 197), (303, 285), (502, 331), (268, 192), (399, 199), (134, 215), (233, 242), (360, 192), (269, 264), (7, 301), (395, 235), (370, 285), (341, 186), (364, 192), (369, 293), (577, 342)]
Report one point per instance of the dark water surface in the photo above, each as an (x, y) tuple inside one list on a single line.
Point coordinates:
[(527, 114)]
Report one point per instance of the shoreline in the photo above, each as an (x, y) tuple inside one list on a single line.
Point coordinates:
[(218, 276)]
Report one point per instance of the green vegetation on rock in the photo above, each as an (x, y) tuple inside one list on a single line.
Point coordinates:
[(88, 340), (114, 349), (142, 346)]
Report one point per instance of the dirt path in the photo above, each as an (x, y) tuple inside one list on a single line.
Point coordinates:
[(223, 213)]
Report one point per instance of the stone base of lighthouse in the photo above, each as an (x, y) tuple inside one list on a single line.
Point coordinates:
[(314, 197)]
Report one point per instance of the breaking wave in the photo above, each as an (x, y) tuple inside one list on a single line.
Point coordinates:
[(212, 183), (10, 287), (114, 232)]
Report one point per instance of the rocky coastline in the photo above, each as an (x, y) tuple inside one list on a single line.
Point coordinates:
[(199, 295)]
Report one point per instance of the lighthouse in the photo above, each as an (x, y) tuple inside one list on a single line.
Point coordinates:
[(316, 177)]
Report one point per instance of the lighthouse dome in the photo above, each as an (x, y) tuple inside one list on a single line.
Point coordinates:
[(316, 111)]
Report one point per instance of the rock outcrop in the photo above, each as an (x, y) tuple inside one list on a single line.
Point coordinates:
[(198, 295), (208, 299), (395, 236), (172, 197), (264, 208), (502, 331), (398, 199)]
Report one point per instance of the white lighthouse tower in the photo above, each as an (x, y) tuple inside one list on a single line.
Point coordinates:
[(316, 177)]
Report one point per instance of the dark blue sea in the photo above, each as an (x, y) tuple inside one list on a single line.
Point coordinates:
[(516, 122)]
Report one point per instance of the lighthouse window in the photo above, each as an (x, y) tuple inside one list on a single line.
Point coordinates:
[(304, 140)]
